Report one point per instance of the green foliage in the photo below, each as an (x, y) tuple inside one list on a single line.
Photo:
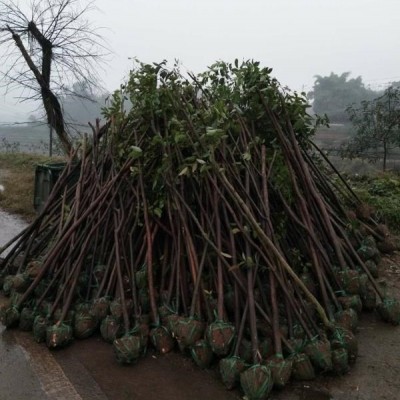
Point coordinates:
[(377, 127), (179, 126), (334, 93)]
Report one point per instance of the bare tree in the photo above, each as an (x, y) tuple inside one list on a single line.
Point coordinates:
[(48, 45)]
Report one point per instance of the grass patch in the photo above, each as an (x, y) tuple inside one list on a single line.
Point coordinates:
[(382, 191), (17, 175)]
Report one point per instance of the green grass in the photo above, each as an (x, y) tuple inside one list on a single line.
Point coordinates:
[(381, 191), (17, 175)]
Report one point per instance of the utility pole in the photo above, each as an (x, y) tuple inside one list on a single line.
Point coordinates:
[(51, 140)]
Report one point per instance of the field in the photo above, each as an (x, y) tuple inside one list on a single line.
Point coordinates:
[(331, 139), (24, 139), (17, 174), (27, 138)]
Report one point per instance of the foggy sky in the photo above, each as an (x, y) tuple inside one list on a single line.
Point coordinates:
[(297, 38)]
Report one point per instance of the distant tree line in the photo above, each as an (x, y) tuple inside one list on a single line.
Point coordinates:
[(333, 94), (80, 105), (376, 125)]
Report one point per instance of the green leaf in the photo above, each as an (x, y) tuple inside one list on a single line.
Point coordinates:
[(184, 171), (225, 255), (246, 156), (158, 212), (135, 152)]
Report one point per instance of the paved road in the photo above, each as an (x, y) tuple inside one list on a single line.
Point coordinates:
[(28, 370), (17, 378)]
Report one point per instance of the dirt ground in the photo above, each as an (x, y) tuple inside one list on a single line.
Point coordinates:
[(91, 367)]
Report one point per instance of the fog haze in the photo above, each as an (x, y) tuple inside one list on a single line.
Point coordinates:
[(297, 38)]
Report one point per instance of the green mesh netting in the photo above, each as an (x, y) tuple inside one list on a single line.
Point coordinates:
[(281, 370), (188, 331), (8, 284), (171, 322), (26, 319), (302, 370), (202, 354), (116, 308), (40, 325), (33, 269), (372, 267), (162, 339), (340, 361), (298, 332), (230, 369), (344, 339), (348, 319), (110, 329), (85, 324), (319, 352), (221, 335), (367, 252), (100, 307), (256, 382), (389, 310), (353, 301), (58, 335), (350, 281), (20, 282), (128, 349), (11, 317), (15, 297)]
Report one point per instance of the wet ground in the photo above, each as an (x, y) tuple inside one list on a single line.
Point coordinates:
[(17, 379), (10, 226), (87, 370)]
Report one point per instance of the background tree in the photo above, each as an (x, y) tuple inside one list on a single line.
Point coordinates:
[(377, 127), (84, 105), (48, 45), (334, 93)]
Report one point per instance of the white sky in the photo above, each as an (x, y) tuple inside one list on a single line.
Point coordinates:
[(297, 38)]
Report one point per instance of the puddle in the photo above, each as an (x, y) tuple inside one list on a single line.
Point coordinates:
[(10, 225)]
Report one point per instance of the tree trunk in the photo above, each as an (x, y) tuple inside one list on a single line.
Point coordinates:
[(51, 104), (385, 154)]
